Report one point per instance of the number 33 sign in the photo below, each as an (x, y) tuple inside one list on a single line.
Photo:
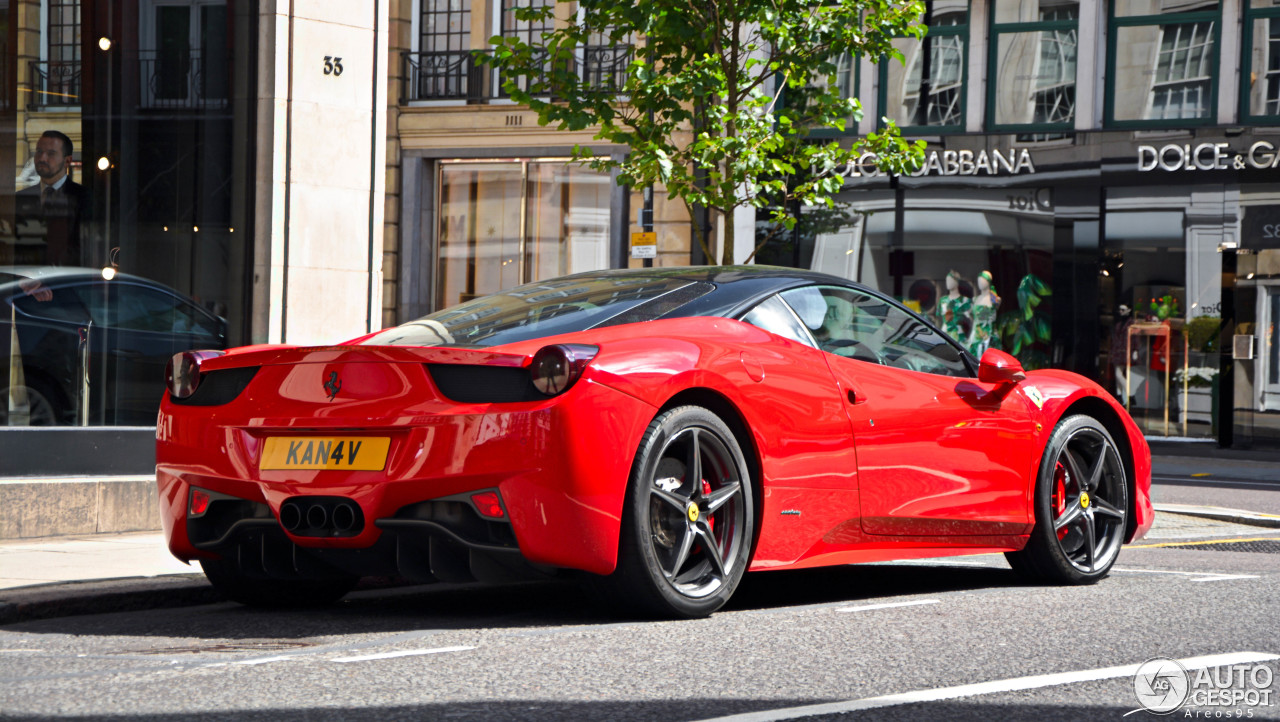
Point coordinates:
[(332, 66)]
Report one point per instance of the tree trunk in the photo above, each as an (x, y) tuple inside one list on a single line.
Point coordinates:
[(726, 252)]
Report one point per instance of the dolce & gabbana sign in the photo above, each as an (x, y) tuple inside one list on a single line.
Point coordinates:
[(952, 162), (1262, 155)]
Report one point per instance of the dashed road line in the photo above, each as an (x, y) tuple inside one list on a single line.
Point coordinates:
[(1016, 684), (1200, 576)]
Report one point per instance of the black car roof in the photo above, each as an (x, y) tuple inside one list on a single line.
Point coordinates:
[(737, 288)]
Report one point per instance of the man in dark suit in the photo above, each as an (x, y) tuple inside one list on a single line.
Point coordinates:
[(57, 202)]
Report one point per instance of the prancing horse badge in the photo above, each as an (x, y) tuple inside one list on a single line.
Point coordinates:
[(333, 385)]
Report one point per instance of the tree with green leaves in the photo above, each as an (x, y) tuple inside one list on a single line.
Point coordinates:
[(720, 98)]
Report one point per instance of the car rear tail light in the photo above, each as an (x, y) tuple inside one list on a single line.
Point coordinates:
[(489, 504), (555, 368), (182, 375), (199, 502)]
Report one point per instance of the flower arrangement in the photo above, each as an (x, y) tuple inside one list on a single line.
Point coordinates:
[(1200, 377), (1165, 307)]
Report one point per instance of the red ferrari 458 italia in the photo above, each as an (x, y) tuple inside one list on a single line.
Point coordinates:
[(657, 432)]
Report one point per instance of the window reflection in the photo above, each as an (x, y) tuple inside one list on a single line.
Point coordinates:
[(1035, 80), (927, 89), (1165, 58)]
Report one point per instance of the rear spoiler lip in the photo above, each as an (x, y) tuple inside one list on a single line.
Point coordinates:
[(285, 355)]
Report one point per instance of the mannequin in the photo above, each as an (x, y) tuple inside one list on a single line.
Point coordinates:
[(954, 309), (985, 306)]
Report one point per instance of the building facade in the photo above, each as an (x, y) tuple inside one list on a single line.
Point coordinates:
[(1101, 192)]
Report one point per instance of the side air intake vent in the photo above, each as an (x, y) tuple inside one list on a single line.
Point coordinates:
[(470, 384)]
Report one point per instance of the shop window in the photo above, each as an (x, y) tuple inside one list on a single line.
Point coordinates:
[(104, 274), (1260, 86), (1162, 63), (1033, 65), (507, 223), (441, 67), (976, 263), (926, 92)]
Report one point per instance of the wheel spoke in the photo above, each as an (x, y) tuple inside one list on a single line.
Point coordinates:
[(1073, 468), (722, 496), (1089, 542), (711, 548), (693, 463), (1105, 507), (680, 503), (1069, 516), (1099, 464), (682, 555)]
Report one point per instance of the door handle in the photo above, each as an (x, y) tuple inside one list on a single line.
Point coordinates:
[(855, 397)]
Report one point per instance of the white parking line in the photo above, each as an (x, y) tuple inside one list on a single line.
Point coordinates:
[(406, 653), (1200, 576), (969, 690), (264, 660), (869, 607)]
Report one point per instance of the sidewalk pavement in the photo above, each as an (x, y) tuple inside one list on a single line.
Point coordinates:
[(59, 576)]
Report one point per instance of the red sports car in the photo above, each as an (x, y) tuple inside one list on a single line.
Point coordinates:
[(659, 432)]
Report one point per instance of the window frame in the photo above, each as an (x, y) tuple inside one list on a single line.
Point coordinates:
[(1252, 15), (1114, 23), (993, 60), (855, 90), (939, 31)]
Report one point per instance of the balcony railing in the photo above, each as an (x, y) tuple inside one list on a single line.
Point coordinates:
[(182, 81), (442, 75), (455, 75), (54, 84)]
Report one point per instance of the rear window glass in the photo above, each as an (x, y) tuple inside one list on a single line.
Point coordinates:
[(543, 309)]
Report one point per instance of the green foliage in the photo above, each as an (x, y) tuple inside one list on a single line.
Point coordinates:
[(1021, 329), (1202, 333), (702, 108)]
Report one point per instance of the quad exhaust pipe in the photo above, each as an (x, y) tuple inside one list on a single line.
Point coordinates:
[(321, 516)]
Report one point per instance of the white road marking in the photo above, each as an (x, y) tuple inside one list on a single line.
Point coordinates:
[(869, 607), (264, 660), (406, 653), (997, 687), (1200, 576)]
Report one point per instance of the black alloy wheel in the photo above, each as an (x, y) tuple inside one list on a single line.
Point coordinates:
[(688, 518), (1081, 505)]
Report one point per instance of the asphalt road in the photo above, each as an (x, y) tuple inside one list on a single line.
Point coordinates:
[(788, 641)]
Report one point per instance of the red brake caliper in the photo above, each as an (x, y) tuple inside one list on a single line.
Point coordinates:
[(706, 491), (1059, 498)]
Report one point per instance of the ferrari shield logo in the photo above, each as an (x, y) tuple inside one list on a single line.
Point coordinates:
[(333, 385)]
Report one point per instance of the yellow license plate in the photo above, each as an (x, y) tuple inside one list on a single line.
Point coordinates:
[(346, 453)]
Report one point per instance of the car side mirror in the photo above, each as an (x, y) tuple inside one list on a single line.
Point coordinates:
[(998, 367)]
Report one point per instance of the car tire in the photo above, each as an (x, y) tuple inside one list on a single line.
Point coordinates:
[(688, 518), (1081, 506), (230, 582)]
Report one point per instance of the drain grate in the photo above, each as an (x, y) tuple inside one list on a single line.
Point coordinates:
[(1256, 546)]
